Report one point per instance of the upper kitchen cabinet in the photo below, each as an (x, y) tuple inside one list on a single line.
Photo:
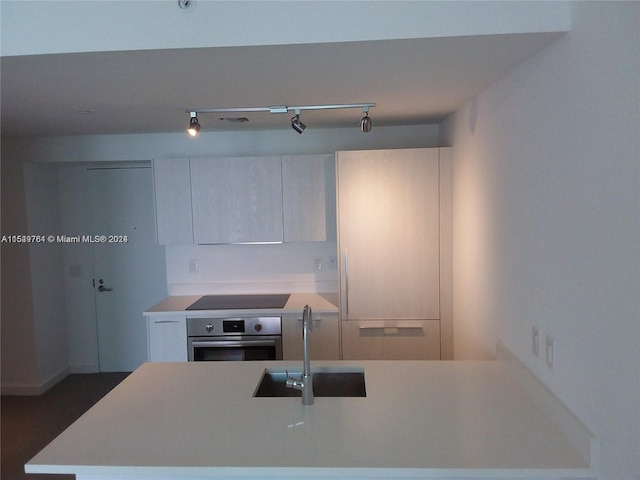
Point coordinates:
[(308, 198), (388, 224), (245, 199), (172, 189), (237, 200)]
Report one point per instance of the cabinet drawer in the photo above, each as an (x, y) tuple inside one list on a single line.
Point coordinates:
[(391, 340), (324, 340), (167, 338)]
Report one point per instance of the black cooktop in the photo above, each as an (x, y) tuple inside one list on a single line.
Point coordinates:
[(239, 302)]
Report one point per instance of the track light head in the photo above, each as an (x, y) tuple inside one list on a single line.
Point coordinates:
[(194, 125), (365, 122), (297, 124)]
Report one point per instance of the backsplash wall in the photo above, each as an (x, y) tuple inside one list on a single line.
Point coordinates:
[(286, 267)]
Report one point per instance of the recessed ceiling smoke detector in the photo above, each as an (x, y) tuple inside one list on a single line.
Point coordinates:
[(186, 5)]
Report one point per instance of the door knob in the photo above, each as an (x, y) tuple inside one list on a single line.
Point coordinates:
[(102, 288)]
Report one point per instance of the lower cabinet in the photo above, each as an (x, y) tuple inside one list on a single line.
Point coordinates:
[(391, 340), (167, 337), (330, 339), (324, 340)]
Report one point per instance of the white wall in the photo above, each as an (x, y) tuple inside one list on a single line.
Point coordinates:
[(34, 346), (101, 148), (19, 360), (288, 267), (49, 313), (547, 223)]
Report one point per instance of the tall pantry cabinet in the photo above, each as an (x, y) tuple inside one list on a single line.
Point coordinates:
[(389, 240)]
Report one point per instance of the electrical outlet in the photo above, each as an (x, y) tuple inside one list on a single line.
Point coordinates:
[(535, 341), (194, 266), (549, 351)]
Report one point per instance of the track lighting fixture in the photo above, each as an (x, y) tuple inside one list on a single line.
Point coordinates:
[(296, 123), (194, 125), (365, 121)]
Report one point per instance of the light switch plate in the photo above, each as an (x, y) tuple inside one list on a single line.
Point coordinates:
[(549, 349), (194, 266)]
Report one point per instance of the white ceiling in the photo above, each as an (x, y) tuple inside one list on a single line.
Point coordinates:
[(412, 81)]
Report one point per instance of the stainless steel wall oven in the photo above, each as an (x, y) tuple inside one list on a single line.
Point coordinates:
[(234, 339)]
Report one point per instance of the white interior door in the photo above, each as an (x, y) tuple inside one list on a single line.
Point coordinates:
[(129, 268)]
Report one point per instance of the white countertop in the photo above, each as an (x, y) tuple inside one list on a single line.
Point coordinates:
[(420, 419), (319, 302)]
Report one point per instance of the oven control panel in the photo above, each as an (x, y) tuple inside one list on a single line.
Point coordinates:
[(197, 327)]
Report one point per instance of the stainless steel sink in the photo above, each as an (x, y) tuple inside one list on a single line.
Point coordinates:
[(327, 382)]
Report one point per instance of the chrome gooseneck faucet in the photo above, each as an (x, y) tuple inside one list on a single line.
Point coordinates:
[(305, 385)]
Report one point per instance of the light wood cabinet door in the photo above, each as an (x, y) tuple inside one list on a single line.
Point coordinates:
[(391, 340), (388, 234), (324, 339), (308, 198), (172, 193), (167, 338), (237, 200)]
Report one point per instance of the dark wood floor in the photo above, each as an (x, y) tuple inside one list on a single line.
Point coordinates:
[(29, 423)]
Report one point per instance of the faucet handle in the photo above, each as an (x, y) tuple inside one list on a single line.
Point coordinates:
[(292, 382)]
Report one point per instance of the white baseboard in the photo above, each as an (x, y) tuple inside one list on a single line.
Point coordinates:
[(576, 433), (34, 389)]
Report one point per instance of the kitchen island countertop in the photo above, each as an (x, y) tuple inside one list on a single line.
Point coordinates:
[(420, 419)]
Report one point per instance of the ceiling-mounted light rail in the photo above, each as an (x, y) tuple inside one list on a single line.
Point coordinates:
[(280, 108), (296, 123)]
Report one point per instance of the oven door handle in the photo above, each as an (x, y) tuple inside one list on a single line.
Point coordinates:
[(233, 343)]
